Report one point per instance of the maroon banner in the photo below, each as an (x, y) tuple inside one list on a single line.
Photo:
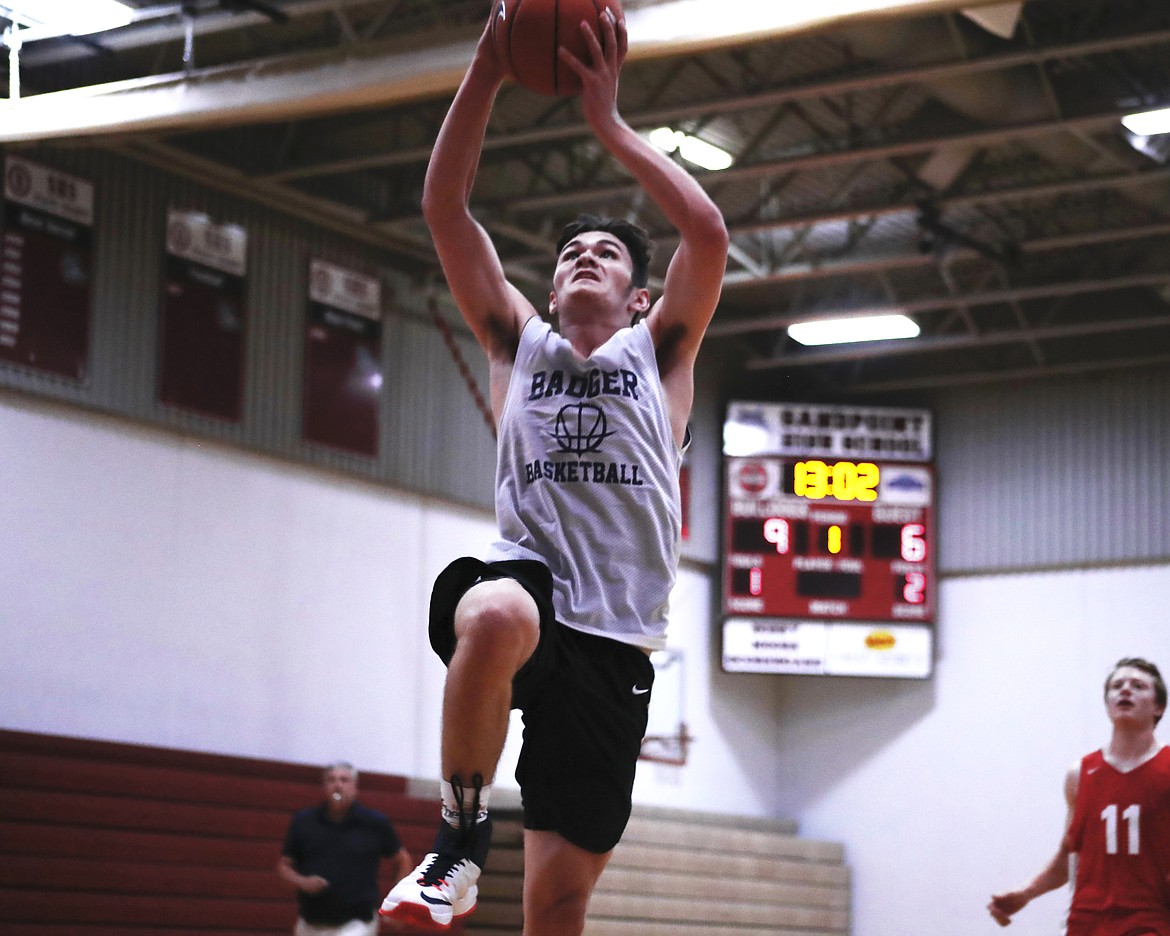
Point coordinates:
[(343, 359), (204, 317), (45, 269)]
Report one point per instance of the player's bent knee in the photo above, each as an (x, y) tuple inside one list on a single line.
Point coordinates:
[(562, 914), (499, 617)]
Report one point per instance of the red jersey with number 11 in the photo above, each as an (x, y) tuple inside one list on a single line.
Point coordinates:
[(1120, 831)]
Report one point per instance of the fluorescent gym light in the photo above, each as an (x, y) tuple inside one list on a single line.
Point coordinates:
[(740, 439), (68, 17), (860, 328), (692, 149), (1148, 124)]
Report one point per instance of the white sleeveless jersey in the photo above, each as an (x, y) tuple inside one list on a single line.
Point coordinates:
[(587, 481)]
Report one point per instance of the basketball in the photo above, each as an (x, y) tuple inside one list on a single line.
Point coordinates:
[(527, 34)]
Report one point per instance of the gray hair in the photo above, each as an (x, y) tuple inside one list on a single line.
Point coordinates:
[(339, 765)]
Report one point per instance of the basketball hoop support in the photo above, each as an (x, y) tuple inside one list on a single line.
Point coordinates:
[(667, 749)]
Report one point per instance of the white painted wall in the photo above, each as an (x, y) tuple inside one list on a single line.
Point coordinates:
[(162, 590), (167, 591)]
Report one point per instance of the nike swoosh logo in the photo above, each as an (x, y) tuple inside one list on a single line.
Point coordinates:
[(435, 900), (1092, 770), (639, 691)]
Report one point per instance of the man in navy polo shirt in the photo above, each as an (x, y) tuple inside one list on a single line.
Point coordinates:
[(331, 855)]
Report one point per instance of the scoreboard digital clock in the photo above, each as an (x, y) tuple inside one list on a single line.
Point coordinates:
[(855, 544), (828, 539)]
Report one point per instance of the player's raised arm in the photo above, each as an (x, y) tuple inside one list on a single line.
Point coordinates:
[(695, 275), (493, 308)]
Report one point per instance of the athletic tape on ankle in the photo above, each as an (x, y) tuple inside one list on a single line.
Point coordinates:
[(453, 806)]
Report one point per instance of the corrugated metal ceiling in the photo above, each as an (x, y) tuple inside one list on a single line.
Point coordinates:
[(983, 184)]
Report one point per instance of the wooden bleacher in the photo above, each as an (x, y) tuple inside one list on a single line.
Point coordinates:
[(688, 874), (499, 909), (103, 839)]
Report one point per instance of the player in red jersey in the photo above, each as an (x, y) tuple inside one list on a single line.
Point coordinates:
[(1118, 825)]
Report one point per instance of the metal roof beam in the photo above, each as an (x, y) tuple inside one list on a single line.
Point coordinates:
[(763, 99), (297, 87), (903, 261), (1026, 192), (990, 197), (747, 326), (207, 21), (932, 345), (952, 379), (819, 160)]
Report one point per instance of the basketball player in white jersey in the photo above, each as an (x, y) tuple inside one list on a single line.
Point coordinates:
[(591, 400)]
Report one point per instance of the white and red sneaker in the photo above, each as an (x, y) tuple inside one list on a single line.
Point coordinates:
[(443, 887)]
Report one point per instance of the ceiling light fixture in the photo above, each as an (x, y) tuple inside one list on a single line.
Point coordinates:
[(30, 20), (45, 18), (1148, 123), (691, 148), (857, 328)]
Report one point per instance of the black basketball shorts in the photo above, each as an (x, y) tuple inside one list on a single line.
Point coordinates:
[(584, 701)]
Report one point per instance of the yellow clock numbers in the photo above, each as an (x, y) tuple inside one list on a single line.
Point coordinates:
[(843, 480)]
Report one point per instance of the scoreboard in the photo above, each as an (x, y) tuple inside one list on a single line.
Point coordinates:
[(828, 540), (853, 548)]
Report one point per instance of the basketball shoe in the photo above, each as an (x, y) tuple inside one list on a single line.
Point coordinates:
[(443, 887)]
